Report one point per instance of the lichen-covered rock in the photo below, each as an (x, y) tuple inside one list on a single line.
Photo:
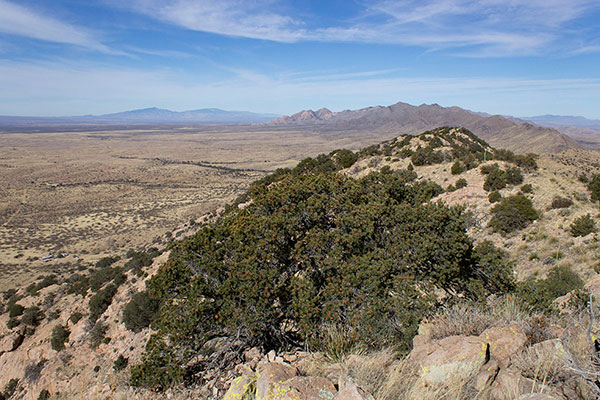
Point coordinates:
[(240, 387), (454, 355), (303, 388), (504, 342), (269, 375)]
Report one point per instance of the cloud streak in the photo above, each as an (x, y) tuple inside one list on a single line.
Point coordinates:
[(488, 27), (21, 21)]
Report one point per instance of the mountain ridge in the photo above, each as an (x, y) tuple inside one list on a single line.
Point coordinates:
[(147, 115), (402, 118)]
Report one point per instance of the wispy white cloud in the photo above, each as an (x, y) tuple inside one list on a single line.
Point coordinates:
[(18, 20), (488, 27)]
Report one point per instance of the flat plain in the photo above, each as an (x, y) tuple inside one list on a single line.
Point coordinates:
[(82, 193)]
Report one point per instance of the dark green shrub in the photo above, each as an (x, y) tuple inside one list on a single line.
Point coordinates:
[(15, 310), (410, 167), (32, 316), (101, 300), (426, 156), (460, 183), (495, 180), (343, 158), (139, 312), (495, 266), (79, 284), (526, 161), (488, 168), (561, 202), (541, 293), (44, 395), (76, 317), (139, 260), (527, 188), (494, 197), (106, 262), (513, 176), (45, 282), (99, 277), (504, 155), (120, 363), (593, 185), (512, 213), (12, 323), (160, 368), (60, 335), (457, 168), (583, 226), (312, 250), (11, 388)]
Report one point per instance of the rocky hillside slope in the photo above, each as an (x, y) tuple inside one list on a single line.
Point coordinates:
[(402, 118), (82, 334)]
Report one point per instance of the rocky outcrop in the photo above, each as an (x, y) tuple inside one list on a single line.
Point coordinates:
[(10, 342)]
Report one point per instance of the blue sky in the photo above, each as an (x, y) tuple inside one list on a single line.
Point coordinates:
[(517, 57)]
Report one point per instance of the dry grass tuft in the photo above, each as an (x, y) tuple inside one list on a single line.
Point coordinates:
[(471, 319), (544, 365)]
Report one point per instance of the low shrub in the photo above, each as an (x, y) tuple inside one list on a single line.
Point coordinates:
[(101, 300), (527, 188), (513, 176), (495, 180), (11, 388), (488, 168), (457, 168), (494, 197), (593, 186), (60, 335), (106, 262), (460, 183), (426, 156), (512, 213), (139, 312), (15, 310), (32, 316), (526, 161), (99, 277), (540, 294), (120, 363), (76, 317), (12, 323), (343, 158), (583, 226), (561, 202), (44, 395)]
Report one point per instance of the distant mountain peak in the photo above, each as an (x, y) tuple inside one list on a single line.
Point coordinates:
[(403, 118)]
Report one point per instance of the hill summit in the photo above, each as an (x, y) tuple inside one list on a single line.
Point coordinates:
[(403, 118)]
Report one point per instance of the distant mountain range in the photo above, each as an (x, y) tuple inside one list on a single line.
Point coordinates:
[(547, 133), (148, 115), (585, 131), (565, 120), (401, 118)]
